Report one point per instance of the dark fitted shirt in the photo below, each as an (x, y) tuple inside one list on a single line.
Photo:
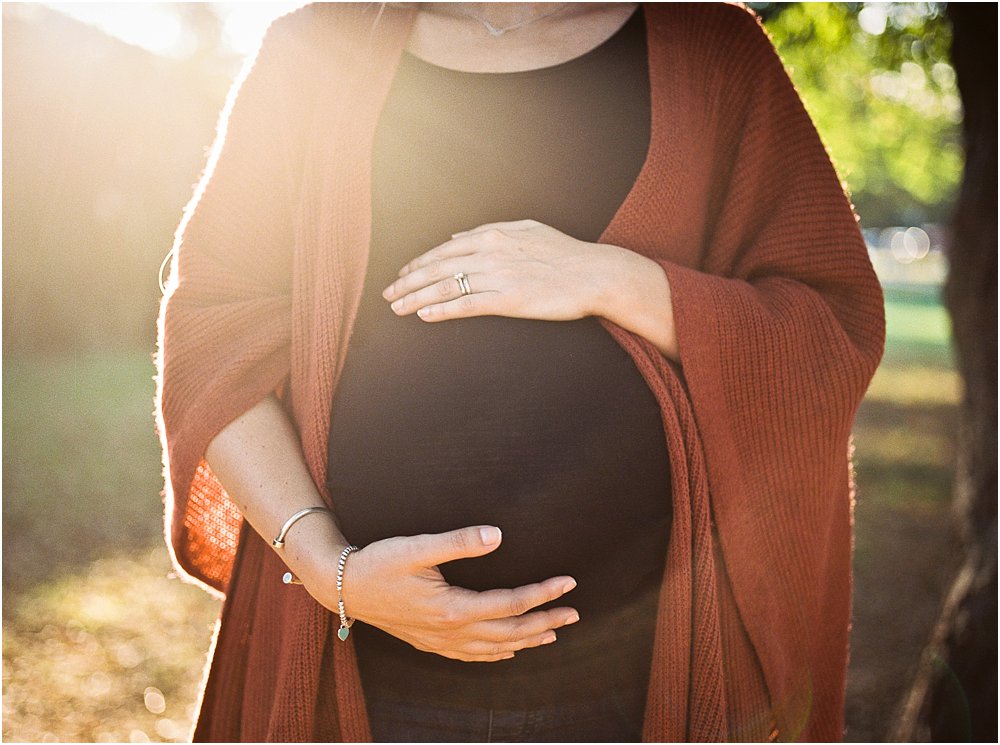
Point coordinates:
[(545, 429)]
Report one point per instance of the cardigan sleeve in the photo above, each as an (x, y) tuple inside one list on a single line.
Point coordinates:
[(780, 330), (224, 325)]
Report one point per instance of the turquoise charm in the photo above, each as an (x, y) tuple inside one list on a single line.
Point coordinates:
[(343, 633)]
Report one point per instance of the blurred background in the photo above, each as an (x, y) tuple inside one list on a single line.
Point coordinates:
[(108, 112)]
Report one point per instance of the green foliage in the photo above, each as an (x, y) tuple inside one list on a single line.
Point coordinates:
[(877, 82)]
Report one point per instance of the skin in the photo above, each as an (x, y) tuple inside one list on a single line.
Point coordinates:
[(443, 36), (520, 269), (525, 269)]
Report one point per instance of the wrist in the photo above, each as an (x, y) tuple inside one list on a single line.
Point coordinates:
[(611, 272), (623, 275), (311, 551), (345, 620), (636, 295)]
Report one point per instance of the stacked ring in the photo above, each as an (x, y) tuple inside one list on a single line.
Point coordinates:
[(463, 282)]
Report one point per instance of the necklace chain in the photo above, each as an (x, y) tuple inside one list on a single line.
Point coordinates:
[(497, 31)]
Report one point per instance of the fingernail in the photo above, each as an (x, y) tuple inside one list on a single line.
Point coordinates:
[(570, 584), (549, 638), (423, 312), (490, 535), (387, 292), (572, 619), (397, 305)]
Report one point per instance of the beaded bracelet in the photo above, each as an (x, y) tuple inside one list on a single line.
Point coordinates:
[(345, 623)]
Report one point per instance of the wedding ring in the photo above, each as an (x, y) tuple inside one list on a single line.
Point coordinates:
[(463, 282)]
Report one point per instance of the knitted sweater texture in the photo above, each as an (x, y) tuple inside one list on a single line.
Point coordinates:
[(779, 323)]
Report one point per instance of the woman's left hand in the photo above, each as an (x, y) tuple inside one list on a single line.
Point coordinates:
[(525, 269), (520, 269)]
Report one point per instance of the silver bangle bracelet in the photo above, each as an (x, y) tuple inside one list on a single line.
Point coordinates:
[(279, 540), (345, 623)]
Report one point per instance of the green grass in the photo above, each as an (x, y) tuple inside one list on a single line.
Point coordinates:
[(905, 438), (905, 431), (99, 642), (918, 328), (81, 463)]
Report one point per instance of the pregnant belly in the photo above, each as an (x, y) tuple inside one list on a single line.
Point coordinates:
[(544, 429)]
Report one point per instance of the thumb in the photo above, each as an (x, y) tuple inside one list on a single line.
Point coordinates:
[(464, 543)]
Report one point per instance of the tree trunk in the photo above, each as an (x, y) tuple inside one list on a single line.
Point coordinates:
[(955, 694)]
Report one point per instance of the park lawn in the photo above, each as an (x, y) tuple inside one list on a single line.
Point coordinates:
[(81, 463), (111, 653), (905, 429), (905, 439), (101, 643)]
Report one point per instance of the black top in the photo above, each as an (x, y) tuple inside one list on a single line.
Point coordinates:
[(545, 429)]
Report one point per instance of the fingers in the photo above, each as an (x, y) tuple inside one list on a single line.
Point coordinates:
[(519, 269), (434, 292), (440, 271), (456, 622), (458, 246), (411, 296), (439, 548), (489, 641), (512, 225), (468, 306), (496, 604), (519, 631), (500, 649)]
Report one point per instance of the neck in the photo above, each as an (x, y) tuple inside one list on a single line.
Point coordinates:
[(497, 13), (496, 19), (510, 37)]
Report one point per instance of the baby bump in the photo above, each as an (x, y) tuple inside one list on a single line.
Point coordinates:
[(544, 429)]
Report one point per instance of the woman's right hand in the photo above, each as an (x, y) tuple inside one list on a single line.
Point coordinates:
[(395, 584)]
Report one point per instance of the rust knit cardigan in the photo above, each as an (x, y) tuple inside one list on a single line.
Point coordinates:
[(779, 323)]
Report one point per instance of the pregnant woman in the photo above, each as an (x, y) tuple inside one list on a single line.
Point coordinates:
[(507, 368)]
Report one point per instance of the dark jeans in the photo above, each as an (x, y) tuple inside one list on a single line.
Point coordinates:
[(615, 717)]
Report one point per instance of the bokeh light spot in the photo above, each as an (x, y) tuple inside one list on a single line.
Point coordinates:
[(154, 699), (873, 18), (168, 729), (910, 245)]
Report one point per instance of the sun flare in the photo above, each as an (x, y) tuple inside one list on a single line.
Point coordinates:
[(160, 27)]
